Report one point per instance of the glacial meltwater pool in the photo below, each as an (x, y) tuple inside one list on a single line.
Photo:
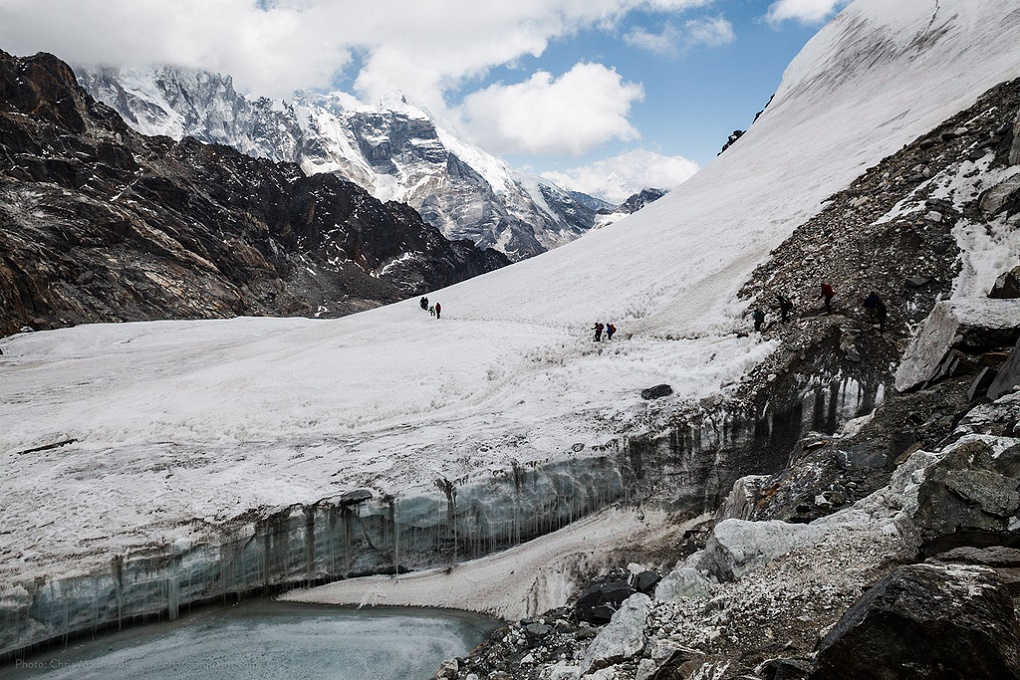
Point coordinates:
[(262, 639)]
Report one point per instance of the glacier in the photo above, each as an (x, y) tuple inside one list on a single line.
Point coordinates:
[(147, 465)]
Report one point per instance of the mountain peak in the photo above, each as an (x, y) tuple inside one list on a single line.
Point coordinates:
[(391, 148)]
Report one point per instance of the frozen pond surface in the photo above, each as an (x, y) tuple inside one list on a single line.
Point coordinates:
[(264, 639)]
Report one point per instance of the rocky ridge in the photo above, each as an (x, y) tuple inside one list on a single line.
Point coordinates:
[(887, 547), (103, 224), (393, 150)]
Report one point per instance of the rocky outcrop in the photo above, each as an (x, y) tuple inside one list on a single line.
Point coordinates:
[(951, 332), (1007, 285), (970, 497), (100, 223), (1006, 378), (926, 621)]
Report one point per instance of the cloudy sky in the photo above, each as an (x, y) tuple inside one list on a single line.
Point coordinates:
[(604, 96)]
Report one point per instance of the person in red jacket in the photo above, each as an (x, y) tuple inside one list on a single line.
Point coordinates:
[(828, 294), (439, 310)]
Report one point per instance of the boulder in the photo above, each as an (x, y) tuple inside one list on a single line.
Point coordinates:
[(1007, 286), (622, 638), (968, 325), (925, 621), (979, 387), (684, 581), (969, 497), (737, 547), (992, 556), (448, 670), (740, 502), (599, 602), (1008, 376), (645, 582), (656, 392)]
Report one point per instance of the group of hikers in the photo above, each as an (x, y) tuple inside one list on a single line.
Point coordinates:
[(608, 328), (435, 310), (876, 309)]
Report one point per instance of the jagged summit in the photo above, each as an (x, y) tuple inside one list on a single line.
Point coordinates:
[(390, 147)]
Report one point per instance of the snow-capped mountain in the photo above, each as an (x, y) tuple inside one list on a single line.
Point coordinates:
[(394, 150), (156, 464), (609, 214)]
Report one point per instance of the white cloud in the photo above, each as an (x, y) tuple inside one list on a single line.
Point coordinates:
[(673, 40), (667, 42), (277, 46), (615, 179), (711, 32), (804, 11), (585, 107), (428, 50)]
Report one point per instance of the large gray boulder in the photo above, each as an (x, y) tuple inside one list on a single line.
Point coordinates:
[(622, 638), (737, 547), (936, 622), (968, 325), (1000, 196), (969, 497)]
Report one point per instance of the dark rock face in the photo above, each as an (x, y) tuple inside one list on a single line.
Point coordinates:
[(599, 601), (926, 621), (1007, 285), (970, 497), (656, 392), (635, 202), (99, 223), (1008, 375)]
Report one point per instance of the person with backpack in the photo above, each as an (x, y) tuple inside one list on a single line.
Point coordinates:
[(871, 303), (598, 331), (828, 294), (610, 329), (424, 302), (785, 306), (759, 319)]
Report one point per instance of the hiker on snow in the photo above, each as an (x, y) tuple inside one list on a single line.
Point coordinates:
[(432, 310), (610, 329), (598, 330), (424, 303), (785, 306), (828, 294), (439, 309)]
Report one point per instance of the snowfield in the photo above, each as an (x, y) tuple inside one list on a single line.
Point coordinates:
[(153, 425)]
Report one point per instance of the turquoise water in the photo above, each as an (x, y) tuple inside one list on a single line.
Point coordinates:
[(263, 639)]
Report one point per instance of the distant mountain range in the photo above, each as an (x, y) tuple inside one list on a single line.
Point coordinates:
[(393, 150), (100, 223)]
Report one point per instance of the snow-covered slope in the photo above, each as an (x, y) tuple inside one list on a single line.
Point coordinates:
[(165, 422), (392, 149)]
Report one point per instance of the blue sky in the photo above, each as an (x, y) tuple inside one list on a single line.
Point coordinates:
[(693, 97), (603, 96)]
